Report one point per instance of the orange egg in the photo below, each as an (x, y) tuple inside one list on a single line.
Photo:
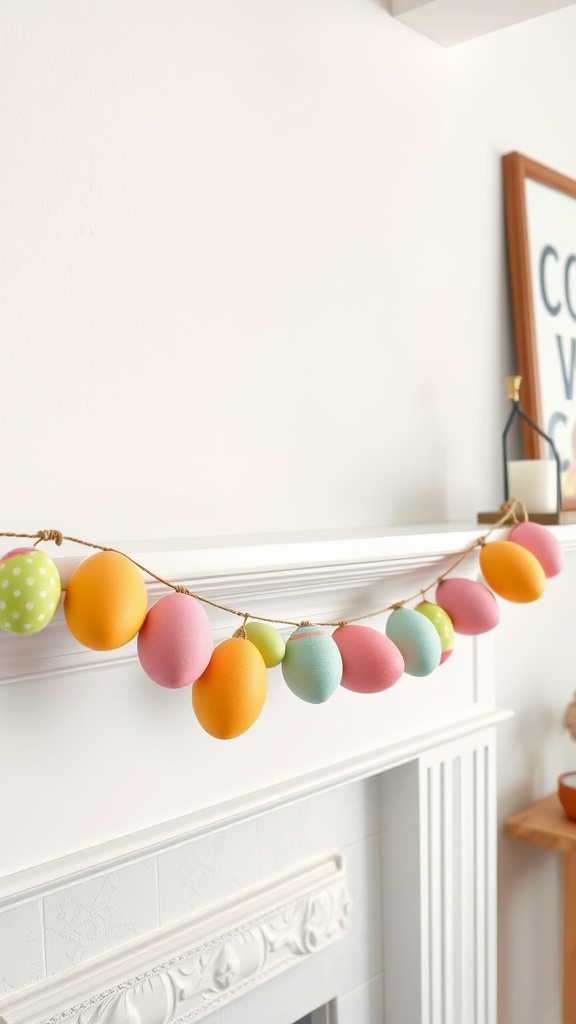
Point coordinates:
[(512, 571), (106, 601), (230, 694)]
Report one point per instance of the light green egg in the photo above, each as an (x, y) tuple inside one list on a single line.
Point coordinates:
[(29, 592), (268, 641), (441, 620)]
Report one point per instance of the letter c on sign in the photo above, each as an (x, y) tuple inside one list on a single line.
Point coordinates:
[(569, 264), (547, 251)]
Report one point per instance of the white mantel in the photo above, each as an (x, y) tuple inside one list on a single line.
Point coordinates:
[(128, 774), (111, 707)]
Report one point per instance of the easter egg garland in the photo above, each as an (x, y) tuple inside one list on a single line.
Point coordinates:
[(106, 606)]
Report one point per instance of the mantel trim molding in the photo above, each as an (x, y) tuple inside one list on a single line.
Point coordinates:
[(186, 971), (295, 577)]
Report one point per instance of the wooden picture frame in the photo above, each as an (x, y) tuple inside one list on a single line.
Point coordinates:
[(540, 206)]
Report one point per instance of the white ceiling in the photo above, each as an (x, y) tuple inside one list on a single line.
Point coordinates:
[(453, 21)]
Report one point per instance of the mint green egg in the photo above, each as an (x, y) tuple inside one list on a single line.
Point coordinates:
[(29, 592), (417, 639), (268, 641), (312, 665)]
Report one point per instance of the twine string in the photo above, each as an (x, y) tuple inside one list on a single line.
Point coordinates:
[(510, 510)]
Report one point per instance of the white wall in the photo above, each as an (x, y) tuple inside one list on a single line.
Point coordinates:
[(253, 279), (277, 227)]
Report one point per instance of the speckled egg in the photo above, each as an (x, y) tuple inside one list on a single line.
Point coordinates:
[(472, 608), (231, 692), (416, 639), (512, 571), (29, 592), (543, 545), (312, 665), (175, 641), (371, 662)]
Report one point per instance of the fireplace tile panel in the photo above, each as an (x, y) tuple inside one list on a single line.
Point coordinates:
[(206, 870), (92, 917), (336, 818), (21, 947)]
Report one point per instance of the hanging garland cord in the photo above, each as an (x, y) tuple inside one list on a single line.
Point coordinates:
[(509, 510)]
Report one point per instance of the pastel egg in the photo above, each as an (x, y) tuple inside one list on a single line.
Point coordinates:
[(512, 571), (443, 625), (29, 592), (231, 692), (371, 662), (106, 601), (268, 641), (417, 640), (175, 641), (472, 608), (17, 551), (543, 545), (312, 665)]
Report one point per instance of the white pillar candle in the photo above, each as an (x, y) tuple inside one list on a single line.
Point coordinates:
[(534, 482)]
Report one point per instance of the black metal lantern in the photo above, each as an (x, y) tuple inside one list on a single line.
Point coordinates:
[(513, 385)]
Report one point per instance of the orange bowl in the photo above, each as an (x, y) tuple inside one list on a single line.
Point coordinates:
[(567, 793)]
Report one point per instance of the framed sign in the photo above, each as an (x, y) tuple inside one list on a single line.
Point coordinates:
[(541, 230)]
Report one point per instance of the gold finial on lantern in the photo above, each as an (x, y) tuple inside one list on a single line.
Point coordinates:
[(513, 388)]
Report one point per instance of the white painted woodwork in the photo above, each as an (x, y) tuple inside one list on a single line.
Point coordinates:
[(431, 741), (439, 889), (351, 736), (449, 22)]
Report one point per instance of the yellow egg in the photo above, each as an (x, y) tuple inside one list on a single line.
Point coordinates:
[(268, 641), (106, 601), (512, 571), (230, 694)]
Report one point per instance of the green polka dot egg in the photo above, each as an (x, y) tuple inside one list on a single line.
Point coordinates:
[(29, 591)]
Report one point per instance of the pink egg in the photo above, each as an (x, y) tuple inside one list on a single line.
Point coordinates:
[(543, 545), (17, 551), (175, 641), (471, 606), (371, 661)]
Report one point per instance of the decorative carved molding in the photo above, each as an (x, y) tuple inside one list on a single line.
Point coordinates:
[(262, 932)]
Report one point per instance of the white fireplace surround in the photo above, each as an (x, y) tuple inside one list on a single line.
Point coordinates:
[(429, 744), (187, 971)]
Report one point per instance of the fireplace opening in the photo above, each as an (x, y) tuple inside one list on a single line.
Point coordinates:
[(322, 1015)]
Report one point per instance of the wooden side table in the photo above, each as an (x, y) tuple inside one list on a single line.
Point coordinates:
[(546, 824)]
